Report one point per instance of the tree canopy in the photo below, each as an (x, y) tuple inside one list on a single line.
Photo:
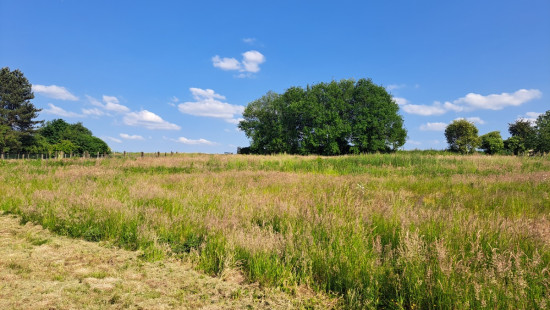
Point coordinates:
[(71, 138), (326, 118), (492, 143), (19, 131), (462, 136)]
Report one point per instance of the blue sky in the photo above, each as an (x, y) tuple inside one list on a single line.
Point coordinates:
[(176, 75)]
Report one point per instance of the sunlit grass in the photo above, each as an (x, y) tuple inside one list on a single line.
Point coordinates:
[(405, 230)]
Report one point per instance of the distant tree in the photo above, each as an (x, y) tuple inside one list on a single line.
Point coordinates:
[(525, 133), (326, 118), (514, 145), (542, 133), (58, 130), (17, 113), (492, 143), (462, 136)]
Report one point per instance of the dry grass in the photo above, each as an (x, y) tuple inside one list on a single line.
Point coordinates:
[(39, 270), (380, 231)]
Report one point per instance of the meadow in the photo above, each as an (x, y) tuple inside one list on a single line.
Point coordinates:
[(408, 230)]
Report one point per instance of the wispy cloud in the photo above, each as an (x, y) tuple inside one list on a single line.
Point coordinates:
[(208, 104), (437, 126), (54, 91), (425, 110), (530, 116), (195, 142), (401, 101), (474, 119), (93, 112), (250, 63), (55, 110), (112, 104), (395, 86), (131, 137), (148, 120), (473, 101), (113, 139)]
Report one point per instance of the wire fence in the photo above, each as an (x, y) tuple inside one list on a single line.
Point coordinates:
[(98, 155)]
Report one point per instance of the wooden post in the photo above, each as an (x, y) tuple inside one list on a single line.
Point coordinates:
[(141, 154), (124, 154), (158, 154)]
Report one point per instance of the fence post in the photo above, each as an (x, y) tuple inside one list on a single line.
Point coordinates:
[(158, 154), (141, 154), (124, 154)]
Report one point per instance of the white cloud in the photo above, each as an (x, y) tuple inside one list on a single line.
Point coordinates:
[(473, 101), (250, 64), (475, 120), (235, 121), (249, 40), (498, 101), (93, 112), (226, 63), (395, 86), (114, 139), (252, 61), (148, 120), (206, 104), (55, 92), (94, 101), (438, 126), (401, 101), (425, 110), (530, 116), (194, 142), (111, 104), (55, 110), (131, 137)]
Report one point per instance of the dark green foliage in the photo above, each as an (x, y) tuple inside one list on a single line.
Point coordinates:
[(492, 143), (17, 113), (462, 136), (327, 119), (59, 133), (525, 135), (542, 130), (514, 145)]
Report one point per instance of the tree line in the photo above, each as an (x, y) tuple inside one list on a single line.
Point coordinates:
[(526, 137), (327, 119), (20, 132)]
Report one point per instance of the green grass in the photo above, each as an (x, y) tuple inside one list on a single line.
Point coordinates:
[(411, 230)]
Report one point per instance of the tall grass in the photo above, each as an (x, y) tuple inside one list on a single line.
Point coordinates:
[(396, 231)]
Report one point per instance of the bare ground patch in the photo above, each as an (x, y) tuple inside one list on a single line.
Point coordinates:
[(39, 270)]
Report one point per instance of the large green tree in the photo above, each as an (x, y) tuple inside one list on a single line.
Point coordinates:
[(17, 113), (326, 118), (462, 136)]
